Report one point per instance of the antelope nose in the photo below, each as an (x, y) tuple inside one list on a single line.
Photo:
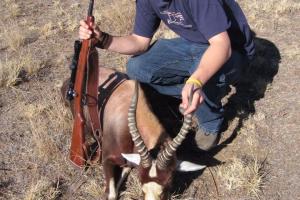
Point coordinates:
[(151, 197)]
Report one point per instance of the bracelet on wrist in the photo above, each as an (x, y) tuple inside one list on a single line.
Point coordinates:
[(103, 41), (195, 81)]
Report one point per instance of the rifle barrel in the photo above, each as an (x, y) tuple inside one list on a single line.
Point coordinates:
[(91, 6)]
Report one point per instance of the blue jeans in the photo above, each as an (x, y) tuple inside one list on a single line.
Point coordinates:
[(169, 62)]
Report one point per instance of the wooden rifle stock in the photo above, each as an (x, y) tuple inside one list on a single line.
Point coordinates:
[(77, 149)]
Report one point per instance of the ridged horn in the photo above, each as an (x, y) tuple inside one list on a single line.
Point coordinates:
[(166, 154), (146, 160)]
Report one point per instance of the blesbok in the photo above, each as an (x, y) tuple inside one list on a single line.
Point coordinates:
[(132, 136)]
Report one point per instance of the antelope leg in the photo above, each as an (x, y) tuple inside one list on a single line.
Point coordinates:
[(125, 172)]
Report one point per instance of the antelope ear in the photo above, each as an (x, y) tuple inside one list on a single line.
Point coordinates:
[(186, 166), (133, 158)]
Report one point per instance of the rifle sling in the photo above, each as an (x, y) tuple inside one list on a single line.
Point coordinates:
[(92, 93), (107, 88), (96, 99)]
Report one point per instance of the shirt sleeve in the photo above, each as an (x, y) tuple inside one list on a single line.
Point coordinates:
[(146, 20), (212, 19)]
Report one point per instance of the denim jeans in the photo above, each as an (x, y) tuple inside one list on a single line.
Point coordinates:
[(169, 62)]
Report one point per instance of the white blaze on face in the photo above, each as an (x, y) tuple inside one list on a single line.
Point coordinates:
[(153, 171), (152, 191)]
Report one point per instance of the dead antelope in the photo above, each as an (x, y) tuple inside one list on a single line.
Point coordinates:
[(131, 133)]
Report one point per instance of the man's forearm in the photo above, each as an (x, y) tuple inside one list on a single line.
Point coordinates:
[(214, 57), (212, 60), (129, 45)]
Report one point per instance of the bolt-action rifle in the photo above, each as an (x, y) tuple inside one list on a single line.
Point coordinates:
[(78, 154)]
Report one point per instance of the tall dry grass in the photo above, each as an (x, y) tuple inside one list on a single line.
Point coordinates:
[(48, 118), (9, 72), (14, 69), (43, 189), (264, 15), (243, 175), (13, 36), (94, 188), (116, 17), (247, 170), (133, 186), (14, 8), (69, 19), (277, 7), (50, 125), (48, 29)]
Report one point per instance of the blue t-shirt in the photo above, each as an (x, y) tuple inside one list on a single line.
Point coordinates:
[(196, 20)]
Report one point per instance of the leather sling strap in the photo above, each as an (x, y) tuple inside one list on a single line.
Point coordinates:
[(96, 99), (92, 103), (107, 88)]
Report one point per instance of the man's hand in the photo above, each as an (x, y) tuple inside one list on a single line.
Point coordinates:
[(87, 31), (191, 90), (218, 52)]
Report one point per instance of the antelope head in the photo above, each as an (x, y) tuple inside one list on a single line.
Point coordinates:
[(156, 173)]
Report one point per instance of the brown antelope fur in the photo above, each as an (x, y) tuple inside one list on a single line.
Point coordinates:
[(117, 139), (116, 133), (150, 128)]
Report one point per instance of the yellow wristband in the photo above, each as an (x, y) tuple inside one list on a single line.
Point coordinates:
[(195, 81)]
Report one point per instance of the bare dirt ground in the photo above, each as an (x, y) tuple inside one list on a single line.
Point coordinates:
[(258, 156)]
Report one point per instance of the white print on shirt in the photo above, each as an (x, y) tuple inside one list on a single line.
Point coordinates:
[(176, 18)]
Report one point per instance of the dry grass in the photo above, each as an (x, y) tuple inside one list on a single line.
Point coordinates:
[(133, 186), (58, 8), (72, 23), (9, 72), (249, 172), (30, 64), (48, 30), (274, 9), (272, 6), (45, 147), (94, 189), (292, 52), (48, 119), (239, 175), (67, 22), (14, 9), (116, 17), (246, 172), (43, 189), (13, 70), (13, 36)]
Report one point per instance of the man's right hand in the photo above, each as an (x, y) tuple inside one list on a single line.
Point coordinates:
[(129, 45), (86, 31)]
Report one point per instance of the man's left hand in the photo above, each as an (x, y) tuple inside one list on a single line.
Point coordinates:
[(193, 91)]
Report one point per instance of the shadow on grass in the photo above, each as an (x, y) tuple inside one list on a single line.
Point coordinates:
[(251, 87)]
